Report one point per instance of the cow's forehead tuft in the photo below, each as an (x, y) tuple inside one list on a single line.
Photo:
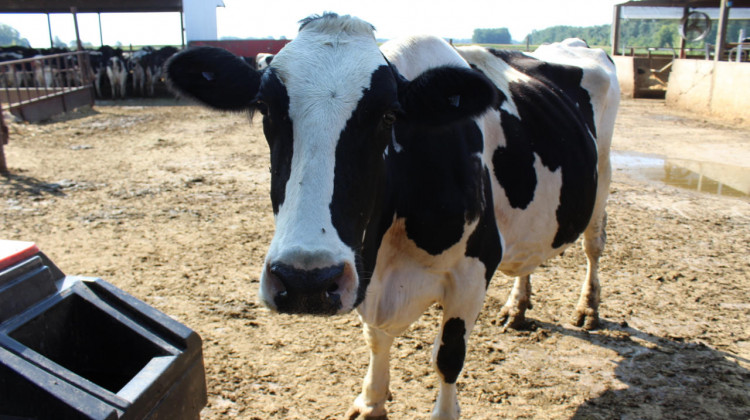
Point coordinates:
[(335, 24)]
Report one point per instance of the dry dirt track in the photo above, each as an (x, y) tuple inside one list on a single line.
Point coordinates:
[(170, 203)]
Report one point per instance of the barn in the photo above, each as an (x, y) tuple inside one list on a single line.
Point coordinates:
[(702, 81)]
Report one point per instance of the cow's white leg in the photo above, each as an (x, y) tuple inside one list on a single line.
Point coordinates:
[(594, 238), (464, 296), (370, 404), (587, 311), (513, 313), (123, 84), (112, 82), (98, 83)]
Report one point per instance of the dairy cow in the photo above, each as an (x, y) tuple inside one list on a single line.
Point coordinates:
[(263, 60), (405, 175)]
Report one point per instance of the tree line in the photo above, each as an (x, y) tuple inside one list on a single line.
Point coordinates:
[(661, 33)]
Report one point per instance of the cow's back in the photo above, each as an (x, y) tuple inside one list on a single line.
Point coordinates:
[(599, 79)]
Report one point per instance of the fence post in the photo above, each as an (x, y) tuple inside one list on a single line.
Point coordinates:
[(3, 141)]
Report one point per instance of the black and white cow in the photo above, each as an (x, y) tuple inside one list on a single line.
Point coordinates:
[(263, 60), (405, 175)]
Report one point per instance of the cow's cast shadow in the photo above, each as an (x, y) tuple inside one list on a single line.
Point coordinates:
[(17, 185), (665, 378)]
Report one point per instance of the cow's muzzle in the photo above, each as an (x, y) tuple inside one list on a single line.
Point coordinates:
[(316, 291)]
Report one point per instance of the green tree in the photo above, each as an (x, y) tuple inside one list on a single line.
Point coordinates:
[(59, 43), (492, 36), (593, 35), (10, 36), (666, 36)]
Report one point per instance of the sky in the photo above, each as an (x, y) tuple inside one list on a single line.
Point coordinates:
[(392, 18)]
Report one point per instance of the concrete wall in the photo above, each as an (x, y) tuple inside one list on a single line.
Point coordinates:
[(721, 89), (625, 75)]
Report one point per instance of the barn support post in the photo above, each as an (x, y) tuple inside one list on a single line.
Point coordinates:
[(3, 141), (182, 28), (49, 28), (101, 36), (74, 11), (685, 12), (615, 36), (721, 35)]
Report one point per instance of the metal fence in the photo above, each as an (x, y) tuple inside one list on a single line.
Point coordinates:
[(34, 89)]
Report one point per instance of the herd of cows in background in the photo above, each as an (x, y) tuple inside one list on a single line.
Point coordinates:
[(116, 73)]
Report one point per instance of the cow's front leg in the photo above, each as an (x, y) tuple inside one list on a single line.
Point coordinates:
[(370, 404), (460, 311), (513, 313)]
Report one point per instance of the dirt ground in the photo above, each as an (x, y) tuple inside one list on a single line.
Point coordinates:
[(170, 203)]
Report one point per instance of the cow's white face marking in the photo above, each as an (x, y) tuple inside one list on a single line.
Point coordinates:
[(325, 71)]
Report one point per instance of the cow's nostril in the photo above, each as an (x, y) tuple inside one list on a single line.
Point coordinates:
[(312, 291)]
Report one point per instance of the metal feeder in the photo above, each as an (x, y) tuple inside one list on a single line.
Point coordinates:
[(75, 347)]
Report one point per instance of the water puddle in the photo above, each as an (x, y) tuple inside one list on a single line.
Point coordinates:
[(708, 177)]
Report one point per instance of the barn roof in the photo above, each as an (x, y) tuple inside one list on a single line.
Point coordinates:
[(684, 3), (89, 6)]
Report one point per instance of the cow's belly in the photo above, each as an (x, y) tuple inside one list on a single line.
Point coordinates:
[(529, 232), (522, 258)]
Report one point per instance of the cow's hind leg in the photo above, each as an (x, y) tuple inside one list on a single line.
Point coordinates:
[(594, 238), (513, 313), (587, 311), (463, 301), (370, 404)]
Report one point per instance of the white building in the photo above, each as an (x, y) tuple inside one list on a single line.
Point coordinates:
[(200, 19)]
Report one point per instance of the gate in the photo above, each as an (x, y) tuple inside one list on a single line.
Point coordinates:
[(35, 89)]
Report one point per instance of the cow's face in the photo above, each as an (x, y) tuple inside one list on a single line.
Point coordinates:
[(329, 102)]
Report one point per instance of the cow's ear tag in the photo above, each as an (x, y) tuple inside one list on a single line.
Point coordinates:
[(454, 100)]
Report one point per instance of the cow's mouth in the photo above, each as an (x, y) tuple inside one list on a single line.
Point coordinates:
[(315, 292)]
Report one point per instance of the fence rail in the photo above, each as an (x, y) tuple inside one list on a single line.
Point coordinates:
[(39, 87)]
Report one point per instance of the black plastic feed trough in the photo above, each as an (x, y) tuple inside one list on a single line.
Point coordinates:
[(79, 348)]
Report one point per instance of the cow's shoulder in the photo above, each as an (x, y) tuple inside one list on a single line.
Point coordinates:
[(435, 181)]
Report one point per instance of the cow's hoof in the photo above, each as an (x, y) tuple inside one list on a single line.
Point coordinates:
[(513, 319), (355, 414), (362, 411), (586, 318)]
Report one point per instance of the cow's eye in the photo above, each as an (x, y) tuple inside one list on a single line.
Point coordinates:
[(389, 118), (262, 107)]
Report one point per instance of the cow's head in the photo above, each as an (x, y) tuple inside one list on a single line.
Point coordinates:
[(329, 102)]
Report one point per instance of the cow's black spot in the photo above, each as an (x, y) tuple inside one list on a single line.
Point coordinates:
[(558, 76), (556, 123), (437, 182), (277, 127), (359, 174), (452, 351), (484, 243), (514, 164), (359, 170)]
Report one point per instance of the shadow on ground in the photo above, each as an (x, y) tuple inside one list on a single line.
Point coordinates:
[(666, 378)]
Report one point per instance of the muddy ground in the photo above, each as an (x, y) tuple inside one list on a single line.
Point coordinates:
[(170, 203)]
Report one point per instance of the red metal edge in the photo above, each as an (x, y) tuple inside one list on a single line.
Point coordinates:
[(13, 252)]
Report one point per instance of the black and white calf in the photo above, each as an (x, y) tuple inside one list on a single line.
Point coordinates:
[(405, 175), (263, 60)]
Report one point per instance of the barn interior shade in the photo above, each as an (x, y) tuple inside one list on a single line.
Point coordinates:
[(89, 6)]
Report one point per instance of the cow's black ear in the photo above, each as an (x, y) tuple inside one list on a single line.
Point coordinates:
[(214, 77), (443, 95)]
